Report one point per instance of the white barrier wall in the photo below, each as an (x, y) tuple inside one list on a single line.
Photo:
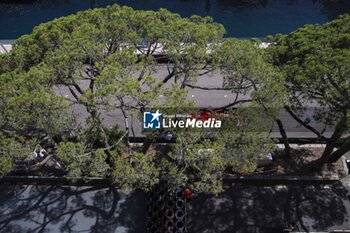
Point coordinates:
[(5, 48)]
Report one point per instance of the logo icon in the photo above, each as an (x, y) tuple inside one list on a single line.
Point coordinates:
[(151, 120)]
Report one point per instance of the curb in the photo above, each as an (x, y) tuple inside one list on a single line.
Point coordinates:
[(249, 179), (275, 180), (42, 180)]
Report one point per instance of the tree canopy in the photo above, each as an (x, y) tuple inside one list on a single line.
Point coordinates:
[(315, 60), (109, 60)]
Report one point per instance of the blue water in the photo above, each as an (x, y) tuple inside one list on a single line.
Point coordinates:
[(241, 19)]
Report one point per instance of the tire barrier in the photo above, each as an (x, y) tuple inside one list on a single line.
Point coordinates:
[(169, 214), (161, 204), (180, 203), (170, 204), (155, 209), (160, 215), (169, 224), (180, 211), (180, 225), (167, 210), (179, 194), (160, 224), (179, 214)]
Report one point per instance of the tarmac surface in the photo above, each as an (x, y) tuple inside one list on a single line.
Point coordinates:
[(242, 208), (203, 99), (250, 209)]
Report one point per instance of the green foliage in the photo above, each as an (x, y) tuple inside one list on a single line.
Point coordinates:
[(269, 38), (94, 55), (78, 163), (6, 166), (198, 163), (73, 159), (4, 63), (315, 60), (255, 40), (201, 159), (135, 171), (29, 105), (12, 149), (255, 77)]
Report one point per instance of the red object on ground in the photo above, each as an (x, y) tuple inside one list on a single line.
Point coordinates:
[(187, 193), (204, 116)]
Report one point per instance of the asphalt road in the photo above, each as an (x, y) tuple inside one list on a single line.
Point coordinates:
[(240, 209), (202, 99), (57, 209), (265, 209)]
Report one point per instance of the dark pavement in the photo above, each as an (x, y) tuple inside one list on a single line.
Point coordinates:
[(202, 99), (56, 209), (241, 208), (265, 209)]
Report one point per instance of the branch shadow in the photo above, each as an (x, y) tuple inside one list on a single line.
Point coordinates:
[(36, 209), (244, 208)]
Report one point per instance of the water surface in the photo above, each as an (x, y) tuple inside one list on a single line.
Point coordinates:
[(241, 18)]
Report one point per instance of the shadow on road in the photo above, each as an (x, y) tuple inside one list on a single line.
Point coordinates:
[(244, 208), (70, 209)]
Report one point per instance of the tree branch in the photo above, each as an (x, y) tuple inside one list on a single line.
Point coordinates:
[(232, 104), (73, 93), (284, 137), (336, 155), (42, 162), (168, 77), (312, 129), (209, 88)]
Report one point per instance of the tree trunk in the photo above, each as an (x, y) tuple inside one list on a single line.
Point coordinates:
[(336, 155), (284, 138), (126, 123), (146, 145), (301, 122), (331, 144), (94, 115)]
